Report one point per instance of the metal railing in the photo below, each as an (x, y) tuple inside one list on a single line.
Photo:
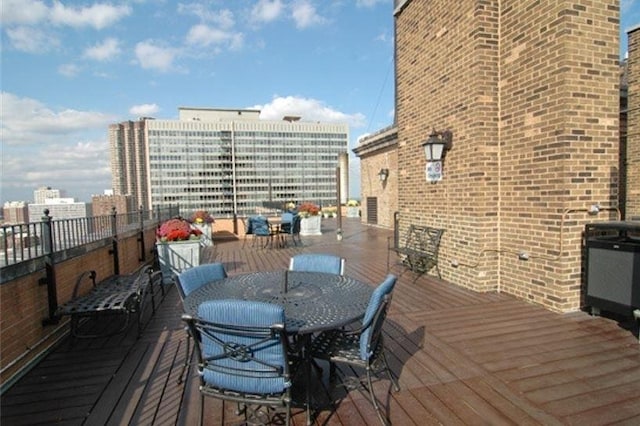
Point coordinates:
[(22, 242)]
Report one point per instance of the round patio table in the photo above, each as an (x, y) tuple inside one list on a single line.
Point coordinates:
[(312, 301)]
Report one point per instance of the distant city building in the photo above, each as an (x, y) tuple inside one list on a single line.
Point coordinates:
[(226, 161), (102, 205), (15, 212), (59, 208), (129, 158), (44, 192)]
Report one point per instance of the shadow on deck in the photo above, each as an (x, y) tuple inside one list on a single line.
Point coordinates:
[(462, 358)]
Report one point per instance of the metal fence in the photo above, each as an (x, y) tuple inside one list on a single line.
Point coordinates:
[(27, 241)]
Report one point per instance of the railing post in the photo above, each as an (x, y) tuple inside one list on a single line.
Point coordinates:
[(143, 256), (235, 223), (114, 241), (339, 205), (50, 278), (396, 229)]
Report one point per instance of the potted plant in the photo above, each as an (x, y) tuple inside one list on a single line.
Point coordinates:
[(310, 223), (328, 212), (178, 244), (353, 209), (202, 220), (290, 206)]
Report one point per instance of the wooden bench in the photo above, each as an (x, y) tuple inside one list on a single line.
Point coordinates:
[(122, 295), (418, 249)]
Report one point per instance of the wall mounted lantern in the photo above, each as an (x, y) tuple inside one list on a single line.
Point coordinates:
[(435, 148), (383, 174)]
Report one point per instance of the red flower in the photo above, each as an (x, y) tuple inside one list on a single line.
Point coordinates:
[(177, 229), (308, 209)]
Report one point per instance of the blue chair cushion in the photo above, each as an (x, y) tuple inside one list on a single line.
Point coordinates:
[(317, 263), (383, 289), (193, 278), (260, 226), (244, 313)]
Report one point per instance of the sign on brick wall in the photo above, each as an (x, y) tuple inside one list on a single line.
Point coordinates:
[(434, 171)]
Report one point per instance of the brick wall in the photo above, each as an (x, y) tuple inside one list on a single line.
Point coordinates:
[(384, 192), (377, 152), (633, 129), (530, 92)]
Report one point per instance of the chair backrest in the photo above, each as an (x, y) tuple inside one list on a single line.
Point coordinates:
[(295, 227), (242, 346), (286, 222), (260, 226), (194, 278), (248, 226), (375, 315), (317, 262)]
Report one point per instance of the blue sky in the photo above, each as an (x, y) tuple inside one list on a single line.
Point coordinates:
[(71, 68)]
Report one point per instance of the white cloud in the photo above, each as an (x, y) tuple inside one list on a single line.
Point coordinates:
[(98, 16), (105, 51), (23, 12), (144, 110), (266, 11), (203, 35), (151, 56), (83, 165), (305, 15), (369, 3), (69, 70), (31, 40), (27, 121), (308, 109), (223, 18), (32, 132)]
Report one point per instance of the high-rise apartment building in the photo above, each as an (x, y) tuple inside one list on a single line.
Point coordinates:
[(44, 192), (226, 161), (129, 160)]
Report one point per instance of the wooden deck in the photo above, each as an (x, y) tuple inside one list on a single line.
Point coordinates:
[(462, 358)]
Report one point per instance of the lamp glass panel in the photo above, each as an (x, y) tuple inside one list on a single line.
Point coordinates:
[(437, 149), (427, 151)]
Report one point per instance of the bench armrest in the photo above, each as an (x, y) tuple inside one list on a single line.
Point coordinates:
[(86, 274)]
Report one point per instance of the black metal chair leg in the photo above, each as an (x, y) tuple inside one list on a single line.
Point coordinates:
[(187, 358)]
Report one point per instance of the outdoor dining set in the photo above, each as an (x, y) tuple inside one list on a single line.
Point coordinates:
[(261, 338), (273, 232)]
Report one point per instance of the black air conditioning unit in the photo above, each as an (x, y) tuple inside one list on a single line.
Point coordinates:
[(613, 267)]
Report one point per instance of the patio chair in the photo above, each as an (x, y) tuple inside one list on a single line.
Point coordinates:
[(317, 262), (286, 221), (248, 230), (362, 347), (262, 230), (293, 229), (190, 280), (243, 356)]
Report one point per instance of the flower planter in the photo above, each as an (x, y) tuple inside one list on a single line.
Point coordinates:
[(207, 231), (311, 225), (176, 256), (353, 211)]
